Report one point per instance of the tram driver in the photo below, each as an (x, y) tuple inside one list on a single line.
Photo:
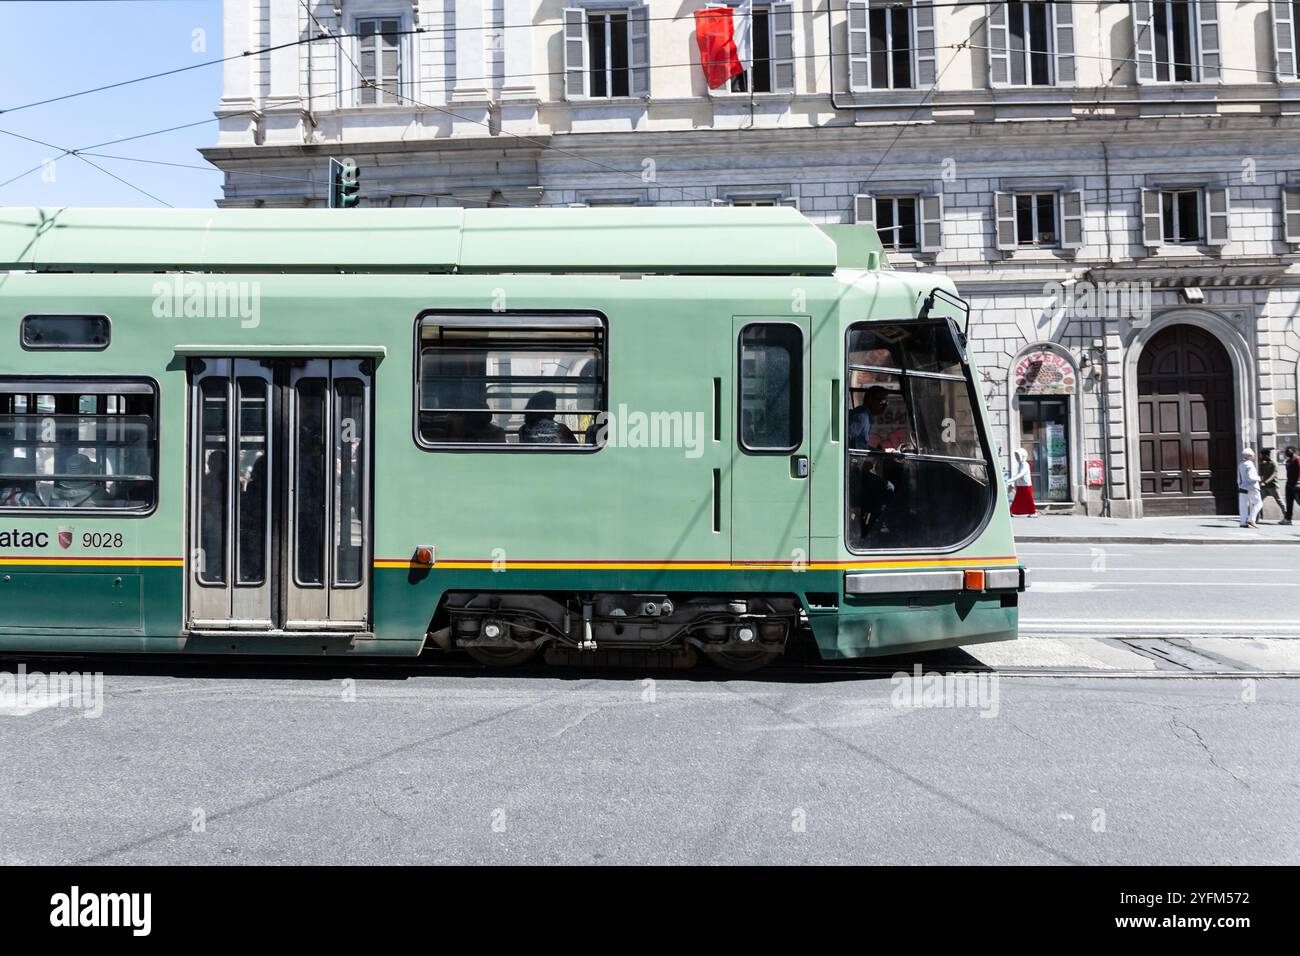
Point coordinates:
[(873, 490)]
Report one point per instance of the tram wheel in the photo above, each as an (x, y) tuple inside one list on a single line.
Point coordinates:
[(500, 656), (746, 660)]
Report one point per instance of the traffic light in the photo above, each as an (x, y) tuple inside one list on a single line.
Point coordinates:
[(345, 183)]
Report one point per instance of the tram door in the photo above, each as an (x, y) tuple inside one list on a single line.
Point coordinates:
[(280, 495), (770, 464)]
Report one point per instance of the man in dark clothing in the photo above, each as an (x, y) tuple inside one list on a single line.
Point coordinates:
[(1268, 481), (1292, 461)]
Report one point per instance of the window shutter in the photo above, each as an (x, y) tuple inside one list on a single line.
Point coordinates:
[(1209, 17), (1064, 17), (859, 47), (575, 53), (1144, 43), (999, 72), (1153, 226), (781, 16), (1217, 213), (931, 222), (1072, 219), (923, 40), (638, 37), (1004, 211), (1291, 213), (864, 209), (1283, 40)]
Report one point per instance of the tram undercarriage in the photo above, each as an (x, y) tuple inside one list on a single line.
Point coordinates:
[(738, 632)]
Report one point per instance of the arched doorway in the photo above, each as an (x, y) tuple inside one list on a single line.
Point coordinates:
[(1186, 424)]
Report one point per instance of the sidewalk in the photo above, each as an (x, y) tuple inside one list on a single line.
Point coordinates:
[(1197, 529)]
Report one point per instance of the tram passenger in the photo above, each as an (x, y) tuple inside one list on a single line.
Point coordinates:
[(75, 491), (540, 426), (16, 492), (479, 427), (873, 490)]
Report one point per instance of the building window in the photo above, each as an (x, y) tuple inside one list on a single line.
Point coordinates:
[(771, 386), (1036, 219), (1173, 45), (1180, 215), (903, 223), (78, 445), (772, 70), (891, 45), (379, 59), (606, 52), (1031, 43), (896, 222), (1039, 219), (511, 380), (1186, 216), (1177, 41)]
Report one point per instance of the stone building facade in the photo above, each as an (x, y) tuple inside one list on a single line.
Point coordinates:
[(1114, 187)]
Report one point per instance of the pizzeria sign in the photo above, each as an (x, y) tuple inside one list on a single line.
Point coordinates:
[(1045, 373)]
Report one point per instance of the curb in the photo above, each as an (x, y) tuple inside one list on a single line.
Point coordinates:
[(1138, 539)]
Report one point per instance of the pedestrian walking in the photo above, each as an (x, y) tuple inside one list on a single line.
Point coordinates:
[(1291, 460), (1248, 490), (1023, 481), (1268, 481)]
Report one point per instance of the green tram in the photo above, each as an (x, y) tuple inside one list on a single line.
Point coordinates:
[(587, 433)]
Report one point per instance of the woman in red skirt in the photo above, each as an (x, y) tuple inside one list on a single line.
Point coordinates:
[(1023, 502)]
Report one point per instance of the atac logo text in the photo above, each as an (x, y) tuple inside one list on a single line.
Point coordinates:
[(24, 539)]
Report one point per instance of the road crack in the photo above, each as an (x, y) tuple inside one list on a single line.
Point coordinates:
[(1176, 724)]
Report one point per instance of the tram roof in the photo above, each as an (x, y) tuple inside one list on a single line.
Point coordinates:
[(698, 240)]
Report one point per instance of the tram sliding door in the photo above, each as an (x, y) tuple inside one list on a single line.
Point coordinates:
[(327, 581), (280, 495)]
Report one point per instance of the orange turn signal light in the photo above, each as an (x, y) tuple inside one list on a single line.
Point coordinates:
[(424, 555), (974, 580)]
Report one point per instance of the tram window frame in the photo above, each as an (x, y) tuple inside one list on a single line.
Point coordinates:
[(31, 346), (795, 386), (902, 373), (520, 321), (101, 386)]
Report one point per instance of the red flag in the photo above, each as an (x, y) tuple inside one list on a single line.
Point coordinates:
[(715, 35)]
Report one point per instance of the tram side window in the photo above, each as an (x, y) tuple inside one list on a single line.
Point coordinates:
[(78, 444), (918, 469), (512, 381), (771, 383)]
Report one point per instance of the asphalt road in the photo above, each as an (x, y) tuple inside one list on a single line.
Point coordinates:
[(465, 767)]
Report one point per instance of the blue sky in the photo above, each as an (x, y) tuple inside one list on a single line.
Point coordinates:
[(99, 42)]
